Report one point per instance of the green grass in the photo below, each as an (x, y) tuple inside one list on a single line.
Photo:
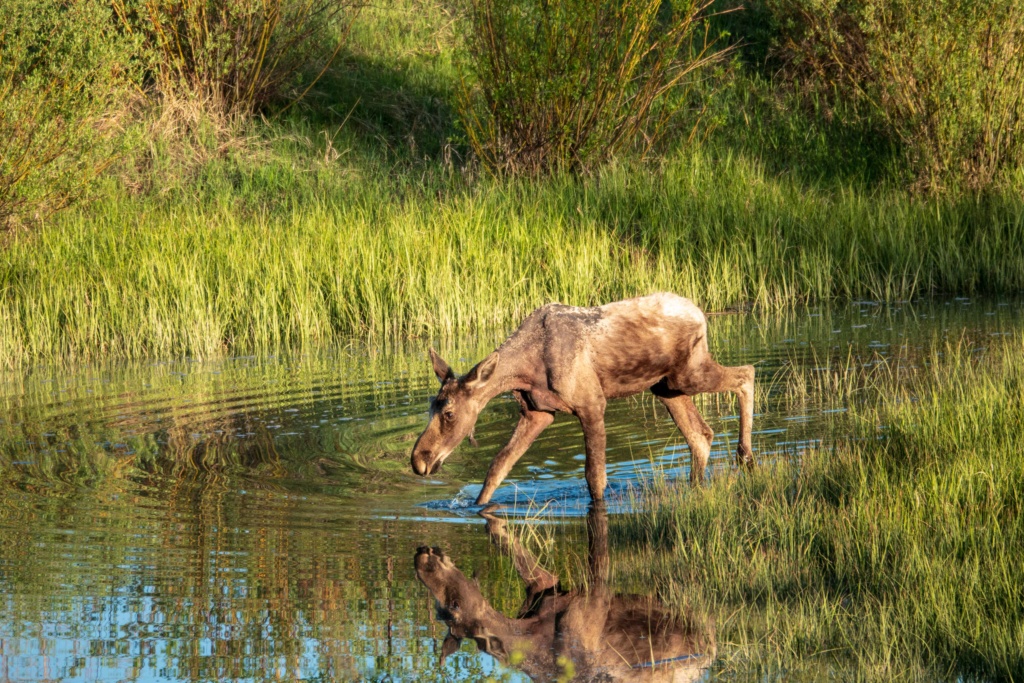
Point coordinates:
[(258, 268), (893, 554), (356, 215)]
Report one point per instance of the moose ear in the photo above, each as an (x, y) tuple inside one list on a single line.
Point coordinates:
[(449, 646), (483, 370), (492, 645), (441, 369)]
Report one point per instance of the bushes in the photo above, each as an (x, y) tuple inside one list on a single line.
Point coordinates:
[(946, 77), (60, 71), (565, 85), (69, 69), (235, 54)]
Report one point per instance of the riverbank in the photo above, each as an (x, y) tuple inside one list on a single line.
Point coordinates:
[(273, 258), (358, 214), (891, 553)]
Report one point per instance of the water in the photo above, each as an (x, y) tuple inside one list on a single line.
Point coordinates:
[(255, 518)]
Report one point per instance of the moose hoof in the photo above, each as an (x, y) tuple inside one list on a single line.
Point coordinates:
[(745, 457)]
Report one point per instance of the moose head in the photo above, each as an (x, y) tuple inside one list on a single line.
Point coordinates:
[(453, 412), (460, 605)]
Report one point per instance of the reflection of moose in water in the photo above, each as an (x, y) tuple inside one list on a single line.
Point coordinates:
[(589, 631)]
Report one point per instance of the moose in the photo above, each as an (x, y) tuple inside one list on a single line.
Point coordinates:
[(591, 631), (574, 359)]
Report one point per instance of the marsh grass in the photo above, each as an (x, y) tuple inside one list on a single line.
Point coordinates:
[(245, 267), (890, 554), (356, 216)]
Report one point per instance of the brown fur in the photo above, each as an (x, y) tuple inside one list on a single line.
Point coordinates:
[(606, 636), (570, 359)]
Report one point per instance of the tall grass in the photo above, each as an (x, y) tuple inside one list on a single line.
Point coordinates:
[(355, 216), (234, 271), (892, 554)]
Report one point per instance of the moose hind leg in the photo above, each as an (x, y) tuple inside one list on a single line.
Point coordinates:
[(697, 433), (713, 378)]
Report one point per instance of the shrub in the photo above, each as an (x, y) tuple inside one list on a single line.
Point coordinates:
[(234, 54), (565, 85), (945, 77), (60, 71)]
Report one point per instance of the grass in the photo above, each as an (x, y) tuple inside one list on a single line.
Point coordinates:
[(357, 215), (892, 554), (234, 272)]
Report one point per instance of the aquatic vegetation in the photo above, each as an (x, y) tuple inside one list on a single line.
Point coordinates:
[(893, 551)]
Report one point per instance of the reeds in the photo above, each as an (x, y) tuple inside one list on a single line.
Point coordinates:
[(892, 554), (242, 268)]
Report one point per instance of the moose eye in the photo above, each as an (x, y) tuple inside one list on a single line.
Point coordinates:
[(449, 415)]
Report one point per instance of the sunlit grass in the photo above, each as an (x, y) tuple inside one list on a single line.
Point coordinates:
[(242, 271), (357, 215), (893, 553)]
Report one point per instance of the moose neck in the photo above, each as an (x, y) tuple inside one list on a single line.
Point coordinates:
[(509, 375)]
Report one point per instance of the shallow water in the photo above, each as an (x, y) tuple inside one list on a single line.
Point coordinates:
[(255, 518)]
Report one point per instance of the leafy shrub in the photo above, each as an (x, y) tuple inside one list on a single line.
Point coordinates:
[(946, 77), (235, 54), (567, 84), (61, 70)]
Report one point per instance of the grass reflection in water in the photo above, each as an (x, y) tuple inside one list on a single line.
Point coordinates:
[(255, 519)]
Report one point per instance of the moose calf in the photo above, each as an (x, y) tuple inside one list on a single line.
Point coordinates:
[(573, 359)]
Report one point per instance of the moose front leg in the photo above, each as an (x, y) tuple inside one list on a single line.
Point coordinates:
[(595, 441), (537, 578), (745, 392), (531, 424)]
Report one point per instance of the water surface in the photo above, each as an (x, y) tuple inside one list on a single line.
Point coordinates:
[(255, 518)]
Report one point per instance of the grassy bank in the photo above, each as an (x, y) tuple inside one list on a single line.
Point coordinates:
[(893, 554), (331, 256), (359, 213)]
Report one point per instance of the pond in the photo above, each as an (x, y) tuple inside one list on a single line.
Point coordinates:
[(256, 518)]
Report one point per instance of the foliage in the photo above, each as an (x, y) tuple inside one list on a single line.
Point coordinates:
[(237, 55), (378, 258), (357, 218), (60, 73), (566, 85), (946, 77), (895, 551)]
